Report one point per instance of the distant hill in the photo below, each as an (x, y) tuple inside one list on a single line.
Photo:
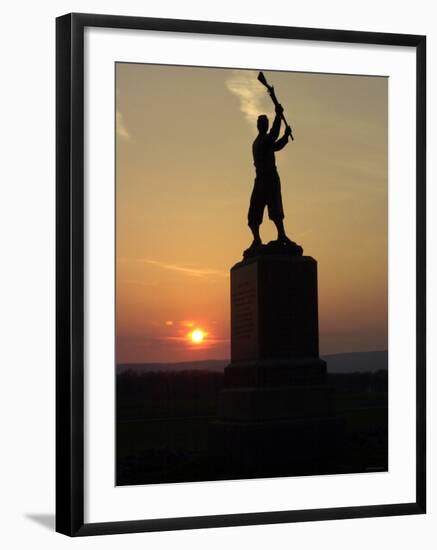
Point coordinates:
[(369, 361), (212, 365), (365, 361)]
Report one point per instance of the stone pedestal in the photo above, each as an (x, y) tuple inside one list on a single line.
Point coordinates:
[(274, 311), (276, 407)]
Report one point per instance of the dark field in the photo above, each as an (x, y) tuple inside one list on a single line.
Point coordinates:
[(164, 424)]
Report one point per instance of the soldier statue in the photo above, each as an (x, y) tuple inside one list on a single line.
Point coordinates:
[(267, 187)]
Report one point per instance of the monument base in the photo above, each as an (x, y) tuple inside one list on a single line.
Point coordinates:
[(277, 448), (276, 418), (275, 372), (280, 403), (276, 411)]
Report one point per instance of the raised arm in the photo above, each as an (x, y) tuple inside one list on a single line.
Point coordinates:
[(282, 142), (276, 126)]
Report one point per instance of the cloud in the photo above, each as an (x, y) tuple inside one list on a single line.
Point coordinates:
[(121, 126), (252, 95), (191, 271)]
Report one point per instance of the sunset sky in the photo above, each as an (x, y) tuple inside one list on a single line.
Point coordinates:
[(184, 174)]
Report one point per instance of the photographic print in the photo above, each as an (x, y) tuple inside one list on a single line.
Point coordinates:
[(251, 274), (240, 274)]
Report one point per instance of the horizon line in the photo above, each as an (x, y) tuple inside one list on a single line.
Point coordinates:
[(229, 360)]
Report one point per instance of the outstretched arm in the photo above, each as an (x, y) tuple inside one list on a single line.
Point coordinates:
[(282, 142)]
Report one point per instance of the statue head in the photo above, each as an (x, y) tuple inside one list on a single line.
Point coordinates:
[(262, 124)]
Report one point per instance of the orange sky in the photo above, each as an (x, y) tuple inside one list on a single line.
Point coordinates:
[(184, 176)]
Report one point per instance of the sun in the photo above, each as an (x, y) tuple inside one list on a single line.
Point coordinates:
[(197, 336)]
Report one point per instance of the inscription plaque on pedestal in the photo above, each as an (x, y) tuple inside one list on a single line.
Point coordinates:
[(244, 313)]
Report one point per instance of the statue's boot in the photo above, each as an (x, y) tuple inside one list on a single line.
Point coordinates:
[(285, 240)]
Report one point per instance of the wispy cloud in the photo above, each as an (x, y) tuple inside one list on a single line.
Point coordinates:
[(187, 270), (193, 271), (250, 92), (122, 131)]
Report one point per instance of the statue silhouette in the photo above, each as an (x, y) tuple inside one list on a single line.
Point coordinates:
[(267, 186)]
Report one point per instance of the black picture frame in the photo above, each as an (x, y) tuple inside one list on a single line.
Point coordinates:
[(70, 273)]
